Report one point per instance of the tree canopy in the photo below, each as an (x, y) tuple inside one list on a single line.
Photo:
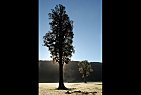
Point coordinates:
[(60, 40), (85, 69)]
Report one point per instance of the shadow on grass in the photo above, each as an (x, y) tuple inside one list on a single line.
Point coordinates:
[(82, 92), (98, 84), (65, 89)]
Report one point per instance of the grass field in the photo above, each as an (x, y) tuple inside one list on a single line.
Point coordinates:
[(90, 88)]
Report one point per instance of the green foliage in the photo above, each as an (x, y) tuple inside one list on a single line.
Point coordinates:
[(85, 68), (60, 39)]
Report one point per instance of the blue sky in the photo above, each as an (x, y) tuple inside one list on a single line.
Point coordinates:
[(87, 17)]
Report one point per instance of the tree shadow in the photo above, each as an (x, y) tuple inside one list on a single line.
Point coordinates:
[(65, 89), (98, 84), (80, 92)]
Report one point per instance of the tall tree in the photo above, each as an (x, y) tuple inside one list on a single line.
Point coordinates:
[(85, 69), (59, 41)]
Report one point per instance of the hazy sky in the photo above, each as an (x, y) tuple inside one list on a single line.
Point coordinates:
[(87, 17)]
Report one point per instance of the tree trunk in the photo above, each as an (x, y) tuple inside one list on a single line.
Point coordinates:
[(85, 76), (85, 80), (61, 82)]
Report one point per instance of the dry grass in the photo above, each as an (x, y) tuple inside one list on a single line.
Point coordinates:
[(90, 88)]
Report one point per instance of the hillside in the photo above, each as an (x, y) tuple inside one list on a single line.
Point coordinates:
[(49, 72)]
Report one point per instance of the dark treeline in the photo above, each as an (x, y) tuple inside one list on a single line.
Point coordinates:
[(48, 72)]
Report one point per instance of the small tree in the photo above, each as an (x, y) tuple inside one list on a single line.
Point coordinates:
[(85, 69), (59, 41)]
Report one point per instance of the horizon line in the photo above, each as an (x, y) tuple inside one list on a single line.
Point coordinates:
[(71, 60)]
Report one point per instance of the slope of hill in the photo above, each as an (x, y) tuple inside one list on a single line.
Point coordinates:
[(49, 72)]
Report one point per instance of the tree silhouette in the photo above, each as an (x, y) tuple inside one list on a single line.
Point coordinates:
[(59, 41), (85, 69)]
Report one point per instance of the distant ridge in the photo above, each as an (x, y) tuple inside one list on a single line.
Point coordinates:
[(49, 72)]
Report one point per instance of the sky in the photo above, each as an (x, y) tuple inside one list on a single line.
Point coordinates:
[(87, 28)]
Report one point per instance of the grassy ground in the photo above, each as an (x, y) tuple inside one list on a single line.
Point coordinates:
[(90, 88)]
